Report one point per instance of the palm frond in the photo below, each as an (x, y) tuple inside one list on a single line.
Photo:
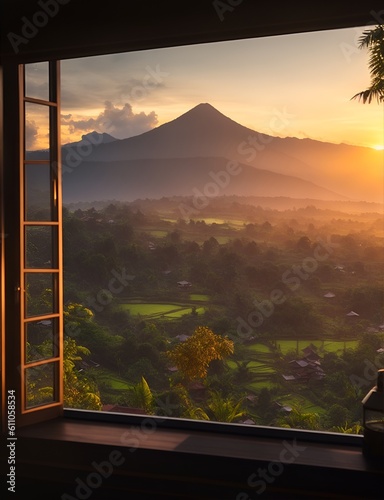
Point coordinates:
[(369, 95), (371, 36), (376, 60), (373, 40)]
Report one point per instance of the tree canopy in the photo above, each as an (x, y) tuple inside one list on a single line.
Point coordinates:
[(192, 357), (79, 391)]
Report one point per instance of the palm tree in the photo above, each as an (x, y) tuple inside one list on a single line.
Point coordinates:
[(299, 419), (243, 373), (222, 409), (373, 40), (142, 397), (348, 428)]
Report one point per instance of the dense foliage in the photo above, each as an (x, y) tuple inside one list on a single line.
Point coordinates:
[(143, 285)]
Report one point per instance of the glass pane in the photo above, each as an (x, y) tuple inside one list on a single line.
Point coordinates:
[(37, 80), (39, 246), (39, 294), (40, 340), (38, 205), (36, 131), (40, 384)]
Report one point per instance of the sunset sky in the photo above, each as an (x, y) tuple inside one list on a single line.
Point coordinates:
[(305, 79)]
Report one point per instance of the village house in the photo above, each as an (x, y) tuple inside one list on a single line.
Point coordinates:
[(306, 368), (184, 284)]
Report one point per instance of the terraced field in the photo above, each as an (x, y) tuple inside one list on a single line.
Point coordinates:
[(323, 346), (158, 310)]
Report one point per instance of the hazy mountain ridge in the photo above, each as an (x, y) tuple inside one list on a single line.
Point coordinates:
[(163, 162), (198, 177), (94, 138), (337, 209), (204, 131)]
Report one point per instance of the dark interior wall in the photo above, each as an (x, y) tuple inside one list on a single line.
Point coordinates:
[(44, 29)]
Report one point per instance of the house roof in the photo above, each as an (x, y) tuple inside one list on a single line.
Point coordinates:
[(283, 407), (311, 356), (300, 362), (248, 421), (372, 329), (182, 337), (45, 322), (251, 397), (311, 349), (352, 313)]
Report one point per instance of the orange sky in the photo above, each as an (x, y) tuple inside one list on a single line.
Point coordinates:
[(305, 79)]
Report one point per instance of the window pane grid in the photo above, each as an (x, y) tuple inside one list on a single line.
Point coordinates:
[(41, 223), (40, 342), (41, 384), (41, 102), (44, 270), (37, 162), (41, 326), (46, 361)]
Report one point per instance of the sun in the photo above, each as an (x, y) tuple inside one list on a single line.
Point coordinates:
[(378, 147)]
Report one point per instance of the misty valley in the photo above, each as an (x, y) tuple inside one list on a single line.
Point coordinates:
[(298, 292)]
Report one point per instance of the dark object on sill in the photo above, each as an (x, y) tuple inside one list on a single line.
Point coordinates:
[(373, 420)]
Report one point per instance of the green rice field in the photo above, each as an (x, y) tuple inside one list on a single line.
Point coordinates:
[(257, 348), (323, 346), (113, 381), (158, 310), (232, 223), (199, 297)]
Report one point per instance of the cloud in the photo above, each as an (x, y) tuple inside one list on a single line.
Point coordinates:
[(31, 134), (118, 122)]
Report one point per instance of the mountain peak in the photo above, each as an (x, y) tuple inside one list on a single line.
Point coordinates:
[(204, 110), (204, 121), (205, 106), (99, 137)]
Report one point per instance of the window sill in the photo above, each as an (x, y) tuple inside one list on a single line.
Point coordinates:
[(189, 463)]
